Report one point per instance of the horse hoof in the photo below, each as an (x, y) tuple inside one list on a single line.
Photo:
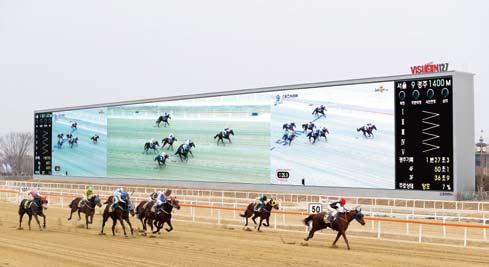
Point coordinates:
[(101, 234), (334, 246), (20, 228)]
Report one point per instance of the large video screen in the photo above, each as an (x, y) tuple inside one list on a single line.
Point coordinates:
[(335, 136)]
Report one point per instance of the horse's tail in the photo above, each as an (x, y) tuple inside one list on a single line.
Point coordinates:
[(243, 215), (71, 204), (216, 136), (308, 219)]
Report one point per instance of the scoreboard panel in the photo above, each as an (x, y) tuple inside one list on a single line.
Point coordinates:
[(424, 134)]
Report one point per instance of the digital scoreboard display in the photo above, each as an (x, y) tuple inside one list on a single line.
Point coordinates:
[(393, 135), (42, 143), (424, 135)]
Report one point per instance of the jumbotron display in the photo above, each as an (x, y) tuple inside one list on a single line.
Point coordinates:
[(384, 135)]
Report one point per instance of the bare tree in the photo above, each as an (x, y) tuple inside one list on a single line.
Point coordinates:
[(16, 149)]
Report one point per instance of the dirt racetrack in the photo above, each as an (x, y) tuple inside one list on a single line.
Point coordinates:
[(66, 243)]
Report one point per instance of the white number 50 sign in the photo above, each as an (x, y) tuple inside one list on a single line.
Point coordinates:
[(315, 208)]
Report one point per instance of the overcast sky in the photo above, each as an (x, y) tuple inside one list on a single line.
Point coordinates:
[(69, 53)]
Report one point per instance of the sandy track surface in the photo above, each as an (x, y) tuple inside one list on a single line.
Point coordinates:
[(66, 243)]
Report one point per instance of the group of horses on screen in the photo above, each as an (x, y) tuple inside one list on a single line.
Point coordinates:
[(156, 219), (315, 132), (184, 150)]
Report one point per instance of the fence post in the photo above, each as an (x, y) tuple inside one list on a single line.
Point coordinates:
[(378, 229), (373, 222), (484, 231), (275, 221), (219, 216), (407, 225), (465, 236), (444, 227), (420, 235)]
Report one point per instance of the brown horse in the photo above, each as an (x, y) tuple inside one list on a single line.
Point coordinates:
[(33, 208), (165, 215), (264, 213), (120, 213), (148, 217), (85, 206), (340, 224)]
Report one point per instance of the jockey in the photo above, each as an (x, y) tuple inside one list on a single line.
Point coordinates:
[(160, 200), (33, 194), (166, 114), (118, 197), (89, 192), (171, 136), (260, 203), (335, 208), (225, 131), (152, 141), (163, 154)]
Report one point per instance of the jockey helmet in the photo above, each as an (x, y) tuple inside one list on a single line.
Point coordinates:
[(168, 192), (343, 201)]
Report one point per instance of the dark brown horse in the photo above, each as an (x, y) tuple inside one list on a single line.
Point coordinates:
[(165, 215), (148, 217), (120, 213), (85, 206), (33, 208), (340, 224), (264, 213)]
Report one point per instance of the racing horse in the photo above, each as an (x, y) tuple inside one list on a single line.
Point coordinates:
[(164, 119), (121, 213), (183, 150), (318, 133), (86, 206), (264, 213), (289, 126), (33, 208), (308, 126), (288, 137), (95, 138), (165, 215), (161, 159), (73, 141), (74, 126), (224, 135), (340, 224), (151, 145), (162, 215), (367, 130), (169, 141), (319, 110)]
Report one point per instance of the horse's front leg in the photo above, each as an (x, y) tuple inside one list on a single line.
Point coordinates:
[(71, 213), (38, 223), (336, 240), (253, 218), (346, 240), (130, 226), (123, 226), (79, 217), (114, 222), (267, 223), (259, 225), (86, 220), (170, 226)]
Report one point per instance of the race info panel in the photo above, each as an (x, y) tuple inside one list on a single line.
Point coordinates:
[(424, 134), (42, 143)]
